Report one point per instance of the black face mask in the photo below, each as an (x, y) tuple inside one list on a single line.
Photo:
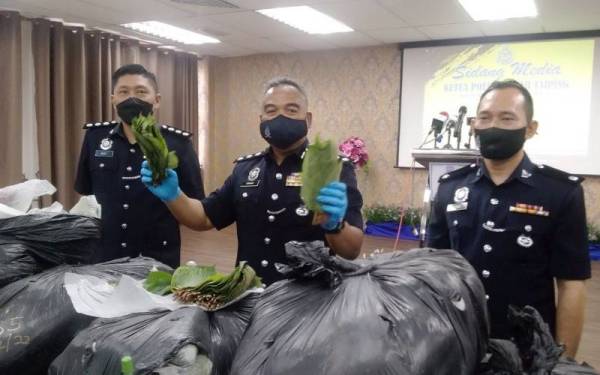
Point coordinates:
[(282, 132), (499, 144), (132, 107)]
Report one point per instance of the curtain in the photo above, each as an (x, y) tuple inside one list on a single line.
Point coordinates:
[(10, 99), (73, 70), (61, 102)]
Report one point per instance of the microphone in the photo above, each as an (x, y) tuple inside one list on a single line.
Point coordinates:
[(438, 122), (462, 111), (437, 126)]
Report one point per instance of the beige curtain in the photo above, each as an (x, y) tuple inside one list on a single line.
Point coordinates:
[(73, 70), (10, 99), (61, 102)]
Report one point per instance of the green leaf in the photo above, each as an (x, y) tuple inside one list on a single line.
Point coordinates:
[(154, 147), (191, 276), (321, 165), (173, 161), (158, 282)]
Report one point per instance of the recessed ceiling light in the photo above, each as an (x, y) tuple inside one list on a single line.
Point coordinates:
[(170, 32), (306, 19), (493, 10)]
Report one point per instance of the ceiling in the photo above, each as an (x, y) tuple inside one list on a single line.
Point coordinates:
[(245, 32)]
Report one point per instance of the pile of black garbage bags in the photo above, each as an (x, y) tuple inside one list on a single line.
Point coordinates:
[(416, 312)]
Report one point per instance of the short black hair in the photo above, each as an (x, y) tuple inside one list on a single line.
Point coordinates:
[(135, 69), (511, 83), (285, 81)]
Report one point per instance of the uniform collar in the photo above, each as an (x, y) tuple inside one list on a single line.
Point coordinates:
[(298, 153), (523, 173), (117, 130)]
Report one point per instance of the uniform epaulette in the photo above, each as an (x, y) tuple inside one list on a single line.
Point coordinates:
[(249, 157), (458, 172), (96, 125), (558, 174), (174, 130)]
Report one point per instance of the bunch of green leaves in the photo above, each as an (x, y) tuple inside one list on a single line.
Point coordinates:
[(321, 165), (204, 280), (154, 147)]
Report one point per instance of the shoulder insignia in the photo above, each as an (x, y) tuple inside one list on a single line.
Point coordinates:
[(170, 129), (249, 157), (96, 125), (558, 174), (463, 171)]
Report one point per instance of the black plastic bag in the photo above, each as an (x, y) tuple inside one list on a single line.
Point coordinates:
[(16, 261), (416, 312), (154, 339), (37, 319), (533, 352), (32, 243)]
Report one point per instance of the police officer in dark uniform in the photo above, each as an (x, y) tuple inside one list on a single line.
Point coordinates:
[(521, 225), (134, 221), (262, 195)]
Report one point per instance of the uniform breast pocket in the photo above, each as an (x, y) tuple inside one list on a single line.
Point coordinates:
[(460, 228), (246, 203), (102, 165), (526, 237)]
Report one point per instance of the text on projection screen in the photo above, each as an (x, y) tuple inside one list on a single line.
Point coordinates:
[(563, 77)]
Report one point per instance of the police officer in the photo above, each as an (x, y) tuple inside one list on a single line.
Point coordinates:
[(133, 220), (262, 195), (521, 225)]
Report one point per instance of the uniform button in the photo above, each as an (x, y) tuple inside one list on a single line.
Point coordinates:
[(125, 206), (485, 274), (132, 150), (271, 218), (126, 187), (274, 196), (164, 243), (123, 244), (101, 165), (528, 228), (129, 169), (267, 240), (455, 222), (124, 225), (244, 194), (264, 263), (487, 248), (494, 201), (278, 176), (490, 224)]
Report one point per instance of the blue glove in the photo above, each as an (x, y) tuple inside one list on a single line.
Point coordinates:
[(168, 190), (334, 202)]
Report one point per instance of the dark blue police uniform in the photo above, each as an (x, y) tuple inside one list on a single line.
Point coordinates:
[(134, 221), (519, 235), (263, 199)]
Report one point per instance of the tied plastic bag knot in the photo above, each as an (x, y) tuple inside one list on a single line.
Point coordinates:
[(314, 261)]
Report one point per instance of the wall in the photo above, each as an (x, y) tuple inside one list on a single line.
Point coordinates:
[(350, 91)]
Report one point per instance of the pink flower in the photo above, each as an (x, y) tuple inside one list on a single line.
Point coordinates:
[(355, 149)]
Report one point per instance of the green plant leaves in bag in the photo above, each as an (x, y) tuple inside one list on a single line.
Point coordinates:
[(321, 165), (154, 147), (191, 276), (158, 282)]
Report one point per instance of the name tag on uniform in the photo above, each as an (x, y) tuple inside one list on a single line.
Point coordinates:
[(250, 184), (104, 153), (460, 206), (294, 179)]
